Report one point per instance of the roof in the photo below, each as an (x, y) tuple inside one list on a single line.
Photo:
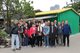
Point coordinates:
[(44, 17), (54, 11)]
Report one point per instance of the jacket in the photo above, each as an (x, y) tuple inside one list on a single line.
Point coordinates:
[(66, 29), (39, 29), (46, 30), (32, 30), (51, 29), (55, 30), (26, 32), (14, 29), (60, 29)]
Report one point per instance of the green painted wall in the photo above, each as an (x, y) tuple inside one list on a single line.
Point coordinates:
[(72, 18)]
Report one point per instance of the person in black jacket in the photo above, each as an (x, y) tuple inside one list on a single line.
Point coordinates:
[(56, 32), (52, 37), (14, 37)]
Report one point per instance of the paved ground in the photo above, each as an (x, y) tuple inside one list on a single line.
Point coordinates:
[(74, 48)]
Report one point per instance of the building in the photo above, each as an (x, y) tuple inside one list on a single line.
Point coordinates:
[(55, 7), (62, 14)]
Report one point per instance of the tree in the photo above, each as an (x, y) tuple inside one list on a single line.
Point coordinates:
[(1, 4), (17, 9), (22, 9), (75, 6), (27, 9)]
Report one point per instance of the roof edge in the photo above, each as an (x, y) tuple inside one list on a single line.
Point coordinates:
[(63, 10)]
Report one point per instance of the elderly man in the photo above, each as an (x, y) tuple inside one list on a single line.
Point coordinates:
[(14, 37), (66, 33)]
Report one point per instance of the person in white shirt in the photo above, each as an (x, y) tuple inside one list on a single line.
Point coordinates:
[(42, 23), (39, 37)]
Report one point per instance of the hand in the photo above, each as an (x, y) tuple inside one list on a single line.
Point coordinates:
[(31, 36), (24, 35), (18, 31)]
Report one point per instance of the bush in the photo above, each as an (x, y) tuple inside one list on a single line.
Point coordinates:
[(3, 34)]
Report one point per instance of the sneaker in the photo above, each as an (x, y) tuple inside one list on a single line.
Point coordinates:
[(18, 49), (47, 47), (67, 45), (13, 49), (28, 46), (44, 46)]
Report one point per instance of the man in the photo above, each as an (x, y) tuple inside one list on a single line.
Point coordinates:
[(46, 30), (56, 31), (51, 36), (60, 35), (29, 24), (49, 24), (14, 37), (21, 29), (66, 33)]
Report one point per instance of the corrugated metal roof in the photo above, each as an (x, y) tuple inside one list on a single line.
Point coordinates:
[(54, 11)]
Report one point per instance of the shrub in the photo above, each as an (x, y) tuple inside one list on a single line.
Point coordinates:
[(3, 34)]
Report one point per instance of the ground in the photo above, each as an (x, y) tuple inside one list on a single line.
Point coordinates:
[(74, 48)]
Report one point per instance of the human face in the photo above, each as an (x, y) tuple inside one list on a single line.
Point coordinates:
[(39, 24), (55, 21), (62, 22), (59, 23), (33, 25), (66, 22), (52, 23), (46, 23), (25, 24), (21, 19), (19, 25), (29, 21)]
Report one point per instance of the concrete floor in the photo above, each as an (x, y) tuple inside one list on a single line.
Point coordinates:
[(74, 48)]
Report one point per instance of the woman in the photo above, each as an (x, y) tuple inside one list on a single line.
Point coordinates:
[(46, 30), (39, 37), (26, 35), (52, 37), (33, 35)]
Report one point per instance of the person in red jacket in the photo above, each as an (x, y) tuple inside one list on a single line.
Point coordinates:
[(33, 34)]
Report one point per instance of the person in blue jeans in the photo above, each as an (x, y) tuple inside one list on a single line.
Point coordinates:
[(46, 30), (15, 43)]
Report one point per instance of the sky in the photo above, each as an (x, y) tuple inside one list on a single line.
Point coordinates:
[(45, 5)]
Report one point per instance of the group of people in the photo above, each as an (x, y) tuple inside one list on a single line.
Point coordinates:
[(39, 33)]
